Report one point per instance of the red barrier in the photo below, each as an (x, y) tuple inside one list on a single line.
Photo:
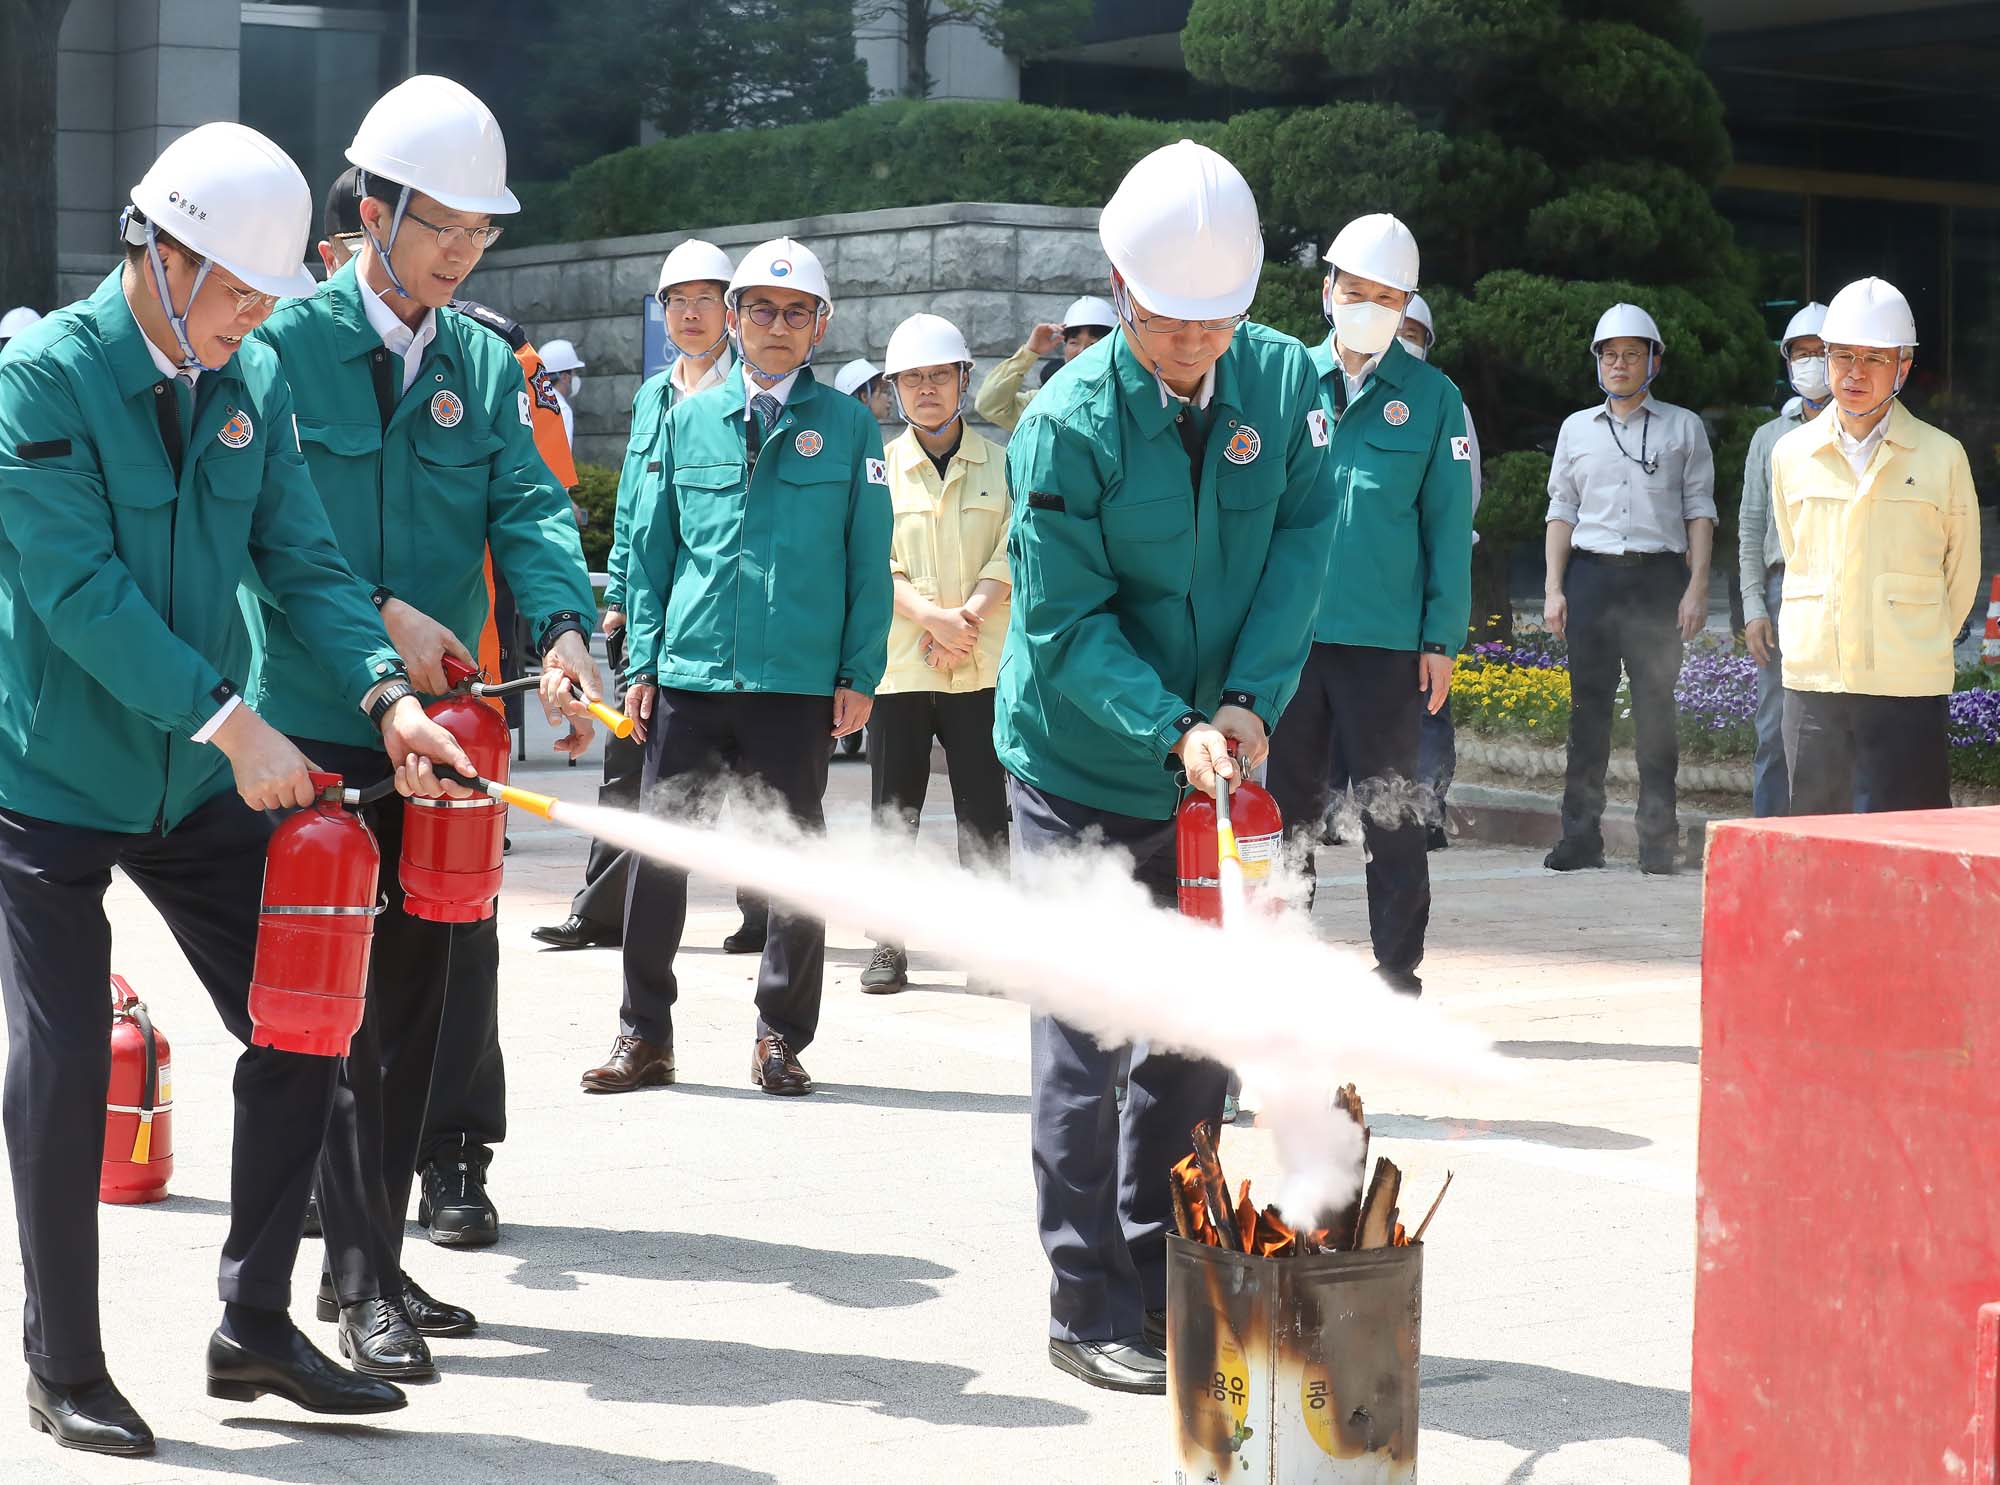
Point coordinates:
[(1849, 1201)]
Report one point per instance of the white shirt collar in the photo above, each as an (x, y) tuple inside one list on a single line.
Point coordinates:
[(715, 376), (1645, 406), (1860, 450), (1202, 393), (1356, 381), (398, 337), (752, 389), (188, 374)]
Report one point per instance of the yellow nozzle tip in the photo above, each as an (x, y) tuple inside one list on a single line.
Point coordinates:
[(618, 722), (1225, 843), (535, 804)]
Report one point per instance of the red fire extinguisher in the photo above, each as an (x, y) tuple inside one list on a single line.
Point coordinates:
[(309, 986), (1238, 833), (139, 1108)]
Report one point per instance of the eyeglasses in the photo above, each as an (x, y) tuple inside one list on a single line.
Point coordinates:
[(763, 312), (937, 376), (1167, 325), (1622, 358), (681, 304), (1846, 361), (481, 238), (248, 301)]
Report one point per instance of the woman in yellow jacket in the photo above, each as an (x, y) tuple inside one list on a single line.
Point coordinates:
[(949, 560), (1879, 525)]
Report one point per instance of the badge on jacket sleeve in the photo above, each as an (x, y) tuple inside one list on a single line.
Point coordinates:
[(1317, 422), (1461, 450), (808, 443), (527, 409), (446, 410), (238, 431), (878, 472), (1396, 414), (1244, 446)]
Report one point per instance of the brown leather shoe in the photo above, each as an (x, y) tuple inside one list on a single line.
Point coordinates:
[(775, 1069), (634, 1063)]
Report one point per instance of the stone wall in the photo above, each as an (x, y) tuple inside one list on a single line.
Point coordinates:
[(993, 270)]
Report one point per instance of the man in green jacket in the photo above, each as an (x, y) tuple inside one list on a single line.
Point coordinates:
[(147, 466), (419, 434), (758, 594), (1397, 594), (1171, 518)]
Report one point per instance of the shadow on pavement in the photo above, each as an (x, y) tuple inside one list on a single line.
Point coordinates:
[(1598, 1052), (928, 1100), (671, 1370), (1533, 1131), (1541, 1408), (552, 1256)]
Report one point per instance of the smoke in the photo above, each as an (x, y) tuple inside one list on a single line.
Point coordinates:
[(1073, 936)]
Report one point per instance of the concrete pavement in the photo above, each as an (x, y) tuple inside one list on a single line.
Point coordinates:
[(703, 1284)]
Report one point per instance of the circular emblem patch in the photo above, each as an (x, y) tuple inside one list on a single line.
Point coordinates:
[(808, 443), (781, 267), (238, 431), (446, 410), (1397, 414), (1243, 447)]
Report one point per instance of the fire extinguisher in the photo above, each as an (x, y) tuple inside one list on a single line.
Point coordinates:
[(1227, 847), (139, 1107), (452, 848), (309, 985)]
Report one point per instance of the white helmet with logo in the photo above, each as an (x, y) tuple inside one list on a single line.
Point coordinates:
[(1182, 232), (1378, 248), (231, 196), (925, 340), (560, 355), (432, 135), (855, 375), (1870, 312), (1419, 313), (1626, 320), (694, 262), (781, 263), (18, 321), (1806, 322), (1090, 313)]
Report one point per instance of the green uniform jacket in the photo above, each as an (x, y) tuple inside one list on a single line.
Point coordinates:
[(650, 405), (1142, 597), (118, 584), (1401, 573), (777, 581), (415, 506)]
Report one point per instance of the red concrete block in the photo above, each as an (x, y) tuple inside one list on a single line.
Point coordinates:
[(1849, 1199)]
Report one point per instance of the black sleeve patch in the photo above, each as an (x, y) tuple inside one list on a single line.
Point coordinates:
[(654, 467), (1046, 500), (47, 448)]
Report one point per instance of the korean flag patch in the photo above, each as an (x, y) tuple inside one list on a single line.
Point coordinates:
[(527, 410), (1461, 450), (1316, 420), (878, 472)]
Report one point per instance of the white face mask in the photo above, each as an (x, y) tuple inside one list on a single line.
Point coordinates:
[(1367, 327), (1809, 378), (1417, 348)]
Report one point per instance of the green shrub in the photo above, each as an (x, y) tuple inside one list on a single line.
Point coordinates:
[(597, 492)]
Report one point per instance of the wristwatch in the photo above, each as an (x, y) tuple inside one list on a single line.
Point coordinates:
[(392, 693), (380, 597)]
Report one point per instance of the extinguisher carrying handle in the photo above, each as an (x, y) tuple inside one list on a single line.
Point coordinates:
[(465, 682)]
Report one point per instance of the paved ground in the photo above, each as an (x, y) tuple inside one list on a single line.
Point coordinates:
[(705, 1285)]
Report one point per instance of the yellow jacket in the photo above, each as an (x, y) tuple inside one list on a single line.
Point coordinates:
[(1001, 398), (1878, 571), (950, 535)]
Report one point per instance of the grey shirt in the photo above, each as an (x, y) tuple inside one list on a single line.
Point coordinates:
[(1757, 550), (1606, 493)]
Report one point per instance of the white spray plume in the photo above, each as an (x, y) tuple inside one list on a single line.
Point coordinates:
[(1074, 936)]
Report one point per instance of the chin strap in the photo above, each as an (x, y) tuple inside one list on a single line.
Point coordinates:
[(1652, 376), (384, 250), (812, 346), (964, 396), (177, 319)]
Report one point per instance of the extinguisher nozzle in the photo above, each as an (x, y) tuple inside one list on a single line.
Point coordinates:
[(535, 804)]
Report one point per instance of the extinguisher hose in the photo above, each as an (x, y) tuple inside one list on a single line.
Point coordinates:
[(1228, 858), (619, 724)]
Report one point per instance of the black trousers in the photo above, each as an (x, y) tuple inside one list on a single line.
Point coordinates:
[(900, 732), (1362, 706), (1858, 754), (1623, 612), (1101, 1172), (468, 1103), (205, 878), (370, 1159), (601, 900), (779, 741)]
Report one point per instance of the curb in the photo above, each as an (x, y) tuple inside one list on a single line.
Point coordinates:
[(1524, 817)]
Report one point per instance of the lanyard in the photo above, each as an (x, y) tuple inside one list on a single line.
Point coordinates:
[(1650, 465)]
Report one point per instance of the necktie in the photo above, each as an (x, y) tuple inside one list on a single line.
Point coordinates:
[(765, 406)]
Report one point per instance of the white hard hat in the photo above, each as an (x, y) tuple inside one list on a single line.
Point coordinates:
[(1378, 248), (1182, 231), (693, 262), (559, 355), (781, 263), (1806, 322), (1417, 312), (18, 321), (432, 135), (925, 340), (855, 375), (1869, 312), (1090, 313), (226, 193), (1623, 320)]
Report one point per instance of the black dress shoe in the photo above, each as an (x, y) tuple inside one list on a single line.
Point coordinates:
[(377, 1337), (774, 1067), (1121, 1366), (299, 1374), (749, 939), (1435, 839), (92, 1416), (433, 1316), (1402, 981), (454, 1204), (1659, 861), (1155, 1329), (1572, 854), (575, 933)]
